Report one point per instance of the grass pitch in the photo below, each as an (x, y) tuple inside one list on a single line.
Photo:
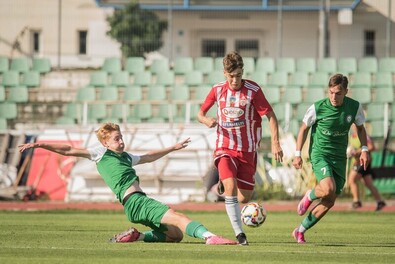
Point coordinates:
[(70, 236)]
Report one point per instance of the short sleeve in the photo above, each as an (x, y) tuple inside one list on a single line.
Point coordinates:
[(97, 153), (310, 116), (135, 159), (360, 116)]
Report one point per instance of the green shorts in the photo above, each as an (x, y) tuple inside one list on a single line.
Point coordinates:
[(328, 167), (141, 209)]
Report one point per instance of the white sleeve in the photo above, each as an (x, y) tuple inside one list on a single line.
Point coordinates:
[(360, 116), (97, 153), (135, 158), (310, 116)]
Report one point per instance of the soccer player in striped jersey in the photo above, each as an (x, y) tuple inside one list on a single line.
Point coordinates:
[(241, 106)]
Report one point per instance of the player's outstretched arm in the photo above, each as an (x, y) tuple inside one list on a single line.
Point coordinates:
[(62, 149), (157, 154)]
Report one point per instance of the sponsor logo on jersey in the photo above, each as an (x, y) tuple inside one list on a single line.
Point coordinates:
[(233, 124), (232, 112), (334, 133)]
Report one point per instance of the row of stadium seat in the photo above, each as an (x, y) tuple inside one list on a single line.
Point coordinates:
[(25, 64), (183, 65)]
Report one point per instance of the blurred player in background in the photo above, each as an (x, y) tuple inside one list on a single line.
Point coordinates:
[(116, 168), (241, 106), (330, 120), (357, 172)]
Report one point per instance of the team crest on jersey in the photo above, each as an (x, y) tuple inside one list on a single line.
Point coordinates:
[(232, 100), (349, 118), (232, 112), (243, 101)]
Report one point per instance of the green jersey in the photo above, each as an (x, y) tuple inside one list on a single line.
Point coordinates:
[(330, 126), (116, 169)]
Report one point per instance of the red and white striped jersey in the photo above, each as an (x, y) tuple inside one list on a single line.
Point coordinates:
[(239, 115)]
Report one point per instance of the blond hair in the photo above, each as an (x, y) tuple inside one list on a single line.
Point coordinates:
[(104, 131)]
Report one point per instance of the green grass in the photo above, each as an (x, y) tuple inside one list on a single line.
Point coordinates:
[(81, 237)]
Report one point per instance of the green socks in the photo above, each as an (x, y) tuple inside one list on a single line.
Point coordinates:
[(154, 236), (312, 196), (309, 221), (195, 229)]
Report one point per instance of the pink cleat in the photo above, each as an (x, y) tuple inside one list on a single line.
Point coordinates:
[(299, 236), (131, 235), (218, 240), (304, 204)]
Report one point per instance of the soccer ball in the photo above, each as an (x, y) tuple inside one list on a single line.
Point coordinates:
[(253, 214)]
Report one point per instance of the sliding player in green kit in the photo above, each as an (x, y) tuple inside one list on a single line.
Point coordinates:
[(116, 168), (330, 120)]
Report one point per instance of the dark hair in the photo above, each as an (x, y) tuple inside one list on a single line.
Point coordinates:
[(232, 61), (338, 79)]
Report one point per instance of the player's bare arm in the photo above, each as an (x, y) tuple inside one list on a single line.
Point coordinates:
[(65, 150), (206, 120), (276, 148), (157, 154), (364, 159), (302, 135)]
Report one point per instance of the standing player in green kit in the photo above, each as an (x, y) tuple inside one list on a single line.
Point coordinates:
[(330, 120), (116, 168)]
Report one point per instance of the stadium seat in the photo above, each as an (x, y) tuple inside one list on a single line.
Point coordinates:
[(347, 65), (361, 80), (96, 112), (375, 111), (300, 78), (201, 92), (306, 64), (319, 79), (362, 95), (180, 93), (20, 64), (120, 112), (64, 120), (384, 95), (204, 64), (183, 65), (383, 79), (73, 110), (4, 64), (166, 78), (156, 92), (11, 78), (166, 113), (142, 112), (387, 64), (280, 111), (120, 79), (108, 93), (218, 64), (133, 93), (143, 78), (99, 79), (41, 65), (293, 95), (328, 65), (86, 94), (265, 64), (259, 77), (2, 94), (3, 124), (314, 94), (273, 94), (134, 65), (279, 79), (18, 94), (377, 129), (111, 65), (215, 77), (368, 64), (159, 65), (249, 65), (287, 65), (8, 110), (31, 79), (193, 78)]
